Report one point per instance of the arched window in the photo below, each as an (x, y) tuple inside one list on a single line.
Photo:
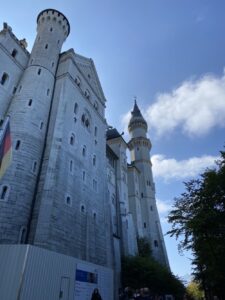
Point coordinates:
[(84, 150), (72, 139), (41, 125), (68, 200), (4, 191), (39, 71), (96, 105), (96, 130), (22, 235), (75, 108), (82, 208), (87, 94), (94, 160), (71, 166), (14, 53), (78, 81), (34, 167), (4, 79), (30, 102), (156, 244), (17, 145)]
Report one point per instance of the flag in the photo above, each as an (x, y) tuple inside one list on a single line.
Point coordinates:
[(5, 148)]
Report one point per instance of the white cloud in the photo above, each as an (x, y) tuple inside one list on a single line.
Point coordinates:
[(170, 168), (163, 207), (196, 106)]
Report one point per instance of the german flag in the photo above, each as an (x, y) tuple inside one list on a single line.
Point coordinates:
[(5, 149)]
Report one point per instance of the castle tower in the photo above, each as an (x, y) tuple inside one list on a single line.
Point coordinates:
[(29, 116), (146, 209)]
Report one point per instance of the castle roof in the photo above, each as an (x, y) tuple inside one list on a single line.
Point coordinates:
[(137, 118)]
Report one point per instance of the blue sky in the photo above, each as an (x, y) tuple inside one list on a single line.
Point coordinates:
[(171, 56)]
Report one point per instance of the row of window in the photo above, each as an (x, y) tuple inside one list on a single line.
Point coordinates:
[(87, 93), (68, 201)]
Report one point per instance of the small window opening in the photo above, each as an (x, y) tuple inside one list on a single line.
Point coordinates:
[(4, 192), (84, 176), (94, 160), (14, 90), (144, 225), (72, 139), (75, 108), (142, 195), (17, 145), (14, 53), (41, 125), (51, 29), (68, 200), (30, 102), (23, 234), (34, 168), (53, 64), (96, 131), (39, 71), (84, 150), (94, 216), (48, 91), (82, 208), (46, 46), (156, 244), (151, 208), (58, 42), (4, 79), (71, 166)]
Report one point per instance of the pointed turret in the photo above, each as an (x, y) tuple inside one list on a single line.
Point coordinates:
[(137, 119)]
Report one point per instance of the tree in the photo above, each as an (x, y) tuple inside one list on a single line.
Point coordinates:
[(139, 272), (198, 218), (194, 291)]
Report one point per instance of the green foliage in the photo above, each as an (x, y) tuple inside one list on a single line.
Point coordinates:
[(194, 291), (198, 218), (144, 248), (139, 272)]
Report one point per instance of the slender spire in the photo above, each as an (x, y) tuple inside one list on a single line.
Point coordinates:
[(137, 119)]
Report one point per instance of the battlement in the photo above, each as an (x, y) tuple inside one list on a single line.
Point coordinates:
[(56, 16)]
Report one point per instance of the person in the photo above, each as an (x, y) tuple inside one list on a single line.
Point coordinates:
[(96, 295)]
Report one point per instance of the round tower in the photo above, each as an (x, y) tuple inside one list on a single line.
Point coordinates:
[(29, 116), (140, 147)]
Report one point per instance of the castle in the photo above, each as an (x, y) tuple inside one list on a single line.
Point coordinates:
[(69, 188)]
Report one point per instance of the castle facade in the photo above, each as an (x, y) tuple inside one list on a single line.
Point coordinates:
[(69, 188)]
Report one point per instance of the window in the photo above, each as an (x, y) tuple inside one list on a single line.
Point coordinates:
[(77, 81), (94, 185), (145, 225), (84, 150), (30, 102), (22, 235), (68, 201), (39, 71), (14, 90), (53, 64), (4, 79), (20, 88), (41, 125), (75, 108), (84, 176), (87, 94), (71, 166), (142, 195), (82, 208), (48, 91), (46, 46), (156, 244), (94, 215), (72, 139), (14, 53), (34, 167), (94, 160), (4, 191), (96, 131), (151, 208), (96, 105), (51, 29), (17, 145)]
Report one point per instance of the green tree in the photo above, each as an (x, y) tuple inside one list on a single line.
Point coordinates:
[(139, 272), (198, 218), (194, 291)]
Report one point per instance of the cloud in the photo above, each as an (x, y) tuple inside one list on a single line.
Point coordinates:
[(196, 106), (170, 168), (163, 207)]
